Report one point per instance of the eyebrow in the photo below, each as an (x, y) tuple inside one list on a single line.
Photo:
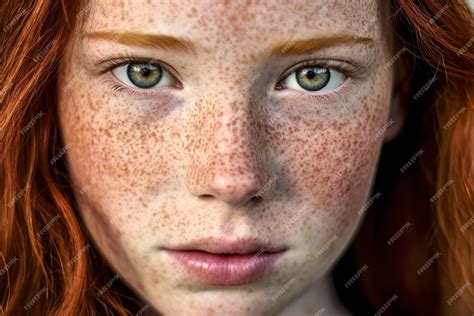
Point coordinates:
[(158, 41), (282, 48), (304, 46)]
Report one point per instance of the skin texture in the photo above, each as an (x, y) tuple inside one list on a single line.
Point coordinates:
[(180, 164)]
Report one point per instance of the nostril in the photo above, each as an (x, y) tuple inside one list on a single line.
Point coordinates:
[(206, 196)]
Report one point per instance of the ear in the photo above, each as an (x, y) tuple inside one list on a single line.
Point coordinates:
[(398, 115)]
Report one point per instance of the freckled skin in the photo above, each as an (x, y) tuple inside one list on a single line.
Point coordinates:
[(184, 164)]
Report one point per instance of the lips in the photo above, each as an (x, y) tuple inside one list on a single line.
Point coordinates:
[(226, 263)]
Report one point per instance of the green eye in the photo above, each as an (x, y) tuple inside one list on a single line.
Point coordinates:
[(144, 75), (313, 79)]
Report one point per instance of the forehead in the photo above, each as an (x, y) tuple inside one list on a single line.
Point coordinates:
[(247, 23)]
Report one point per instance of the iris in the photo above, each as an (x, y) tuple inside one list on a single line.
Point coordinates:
[(144, 75), (313, 79)]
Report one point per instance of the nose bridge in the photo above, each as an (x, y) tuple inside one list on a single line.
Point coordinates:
[(230, 163)]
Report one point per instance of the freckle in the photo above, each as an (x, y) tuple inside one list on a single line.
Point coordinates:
[(150, 20), (366, 107), (202, 22), (125, 170), (192, 13)]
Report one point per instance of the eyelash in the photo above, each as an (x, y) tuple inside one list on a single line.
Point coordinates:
[(109, 65), (350, 72), (339, 65)]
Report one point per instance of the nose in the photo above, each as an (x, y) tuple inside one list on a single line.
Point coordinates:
[(233, 179), (234, 166)]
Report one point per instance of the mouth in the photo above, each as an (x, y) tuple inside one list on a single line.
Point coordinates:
[(226, 263)]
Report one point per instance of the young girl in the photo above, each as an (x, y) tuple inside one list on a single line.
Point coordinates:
[(236, 158)]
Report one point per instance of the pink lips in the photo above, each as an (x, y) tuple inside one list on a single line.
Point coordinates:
[(225, 263)]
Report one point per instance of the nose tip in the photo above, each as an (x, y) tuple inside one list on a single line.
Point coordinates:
[(235, 190)]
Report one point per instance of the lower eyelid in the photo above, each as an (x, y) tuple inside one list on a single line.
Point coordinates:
[(110, 83), (110, 77), (331, 97)]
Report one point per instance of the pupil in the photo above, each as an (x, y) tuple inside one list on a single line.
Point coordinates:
[(145, 71), (310, 74)]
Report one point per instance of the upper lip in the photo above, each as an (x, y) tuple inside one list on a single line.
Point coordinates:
[(222, 246)]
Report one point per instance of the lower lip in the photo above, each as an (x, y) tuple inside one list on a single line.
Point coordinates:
[(216, 269)]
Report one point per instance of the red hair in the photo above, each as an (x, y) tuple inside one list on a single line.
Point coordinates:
[(42, 240)]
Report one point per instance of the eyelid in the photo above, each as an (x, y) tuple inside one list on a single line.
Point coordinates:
[(348, 69), (111, 63)]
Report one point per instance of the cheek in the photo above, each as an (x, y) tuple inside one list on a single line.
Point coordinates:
[(331, 164), (118, 148), (117, 156), (331, 160)]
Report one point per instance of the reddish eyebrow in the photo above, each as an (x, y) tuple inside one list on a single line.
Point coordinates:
[(164, 42), (282, 48), (294, 47)]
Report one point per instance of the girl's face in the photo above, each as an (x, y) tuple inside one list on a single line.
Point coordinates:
[(201, 124)]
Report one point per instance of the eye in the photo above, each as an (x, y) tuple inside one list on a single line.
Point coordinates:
[(144, 75), (314, 79)]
